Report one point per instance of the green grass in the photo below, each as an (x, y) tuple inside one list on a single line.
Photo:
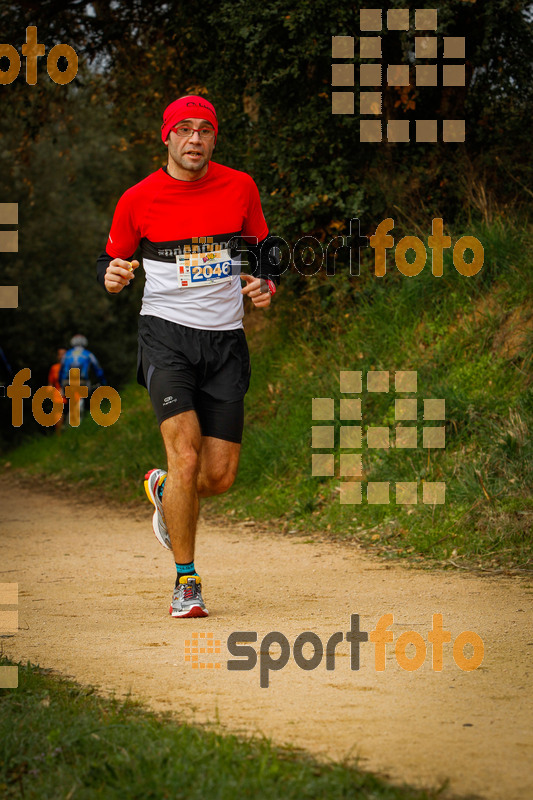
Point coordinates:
[(61, 740), (471, 342), (113, 459), (454, 331)]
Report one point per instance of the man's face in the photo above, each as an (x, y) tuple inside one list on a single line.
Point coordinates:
[(188, 157)]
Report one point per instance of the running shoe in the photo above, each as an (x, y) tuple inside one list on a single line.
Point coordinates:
[(187, 598), (152, 484)]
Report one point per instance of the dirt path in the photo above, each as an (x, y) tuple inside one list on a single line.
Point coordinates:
[(94, 590)]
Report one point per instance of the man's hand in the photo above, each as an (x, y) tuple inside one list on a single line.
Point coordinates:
[(257, 290), (118, 274)]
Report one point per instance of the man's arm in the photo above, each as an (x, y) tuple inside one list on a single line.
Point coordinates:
[(102, 263), (114, 273), (99, 372), (264, 258), (263, 254), (63, 376), (263, 269)]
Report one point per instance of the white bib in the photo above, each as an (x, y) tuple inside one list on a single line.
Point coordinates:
[(202, 269)]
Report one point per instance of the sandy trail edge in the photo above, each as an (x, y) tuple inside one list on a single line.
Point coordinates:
[(94, 589)]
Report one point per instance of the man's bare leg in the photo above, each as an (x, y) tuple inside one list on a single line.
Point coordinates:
[(198, 466), (219, 461)]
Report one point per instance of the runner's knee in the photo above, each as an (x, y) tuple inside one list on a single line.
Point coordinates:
[(218, 480), (183, 463)]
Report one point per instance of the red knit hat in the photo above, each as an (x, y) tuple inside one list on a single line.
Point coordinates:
[(191, 106)]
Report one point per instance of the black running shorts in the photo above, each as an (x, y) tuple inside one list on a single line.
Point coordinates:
[(188, 369)]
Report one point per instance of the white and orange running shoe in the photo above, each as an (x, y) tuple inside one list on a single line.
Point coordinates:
[(153, 486)]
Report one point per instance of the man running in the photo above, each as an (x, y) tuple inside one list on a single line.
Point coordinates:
[(79, 357), (189, 218), (53, 381)]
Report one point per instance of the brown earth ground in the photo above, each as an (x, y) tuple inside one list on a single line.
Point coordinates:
[(94, 589)]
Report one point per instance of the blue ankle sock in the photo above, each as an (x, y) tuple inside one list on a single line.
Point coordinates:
[(160, 489)]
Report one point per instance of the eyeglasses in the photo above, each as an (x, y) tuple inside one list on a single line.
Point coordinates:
[(185, 131)]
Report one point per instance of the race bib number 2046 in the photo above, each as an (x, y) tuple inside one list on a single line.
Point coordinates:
[(202, 269)]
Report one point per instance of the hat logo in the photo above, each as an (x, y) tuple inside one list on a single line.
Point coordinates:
[(202, 105)]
